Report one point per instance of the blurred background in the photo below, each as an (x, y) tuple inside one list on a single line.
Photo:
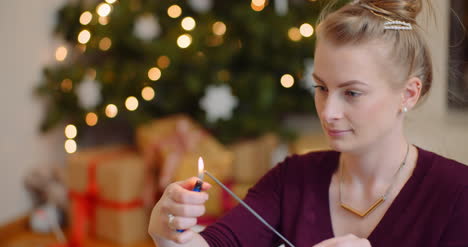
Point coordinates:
[(146, 87)]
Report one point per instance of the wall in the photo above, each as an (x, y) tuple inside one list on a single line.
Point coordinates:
[(25, 45)]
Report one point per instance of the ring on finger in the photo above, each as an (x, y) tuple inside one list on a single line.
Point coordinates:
[(171, 219)]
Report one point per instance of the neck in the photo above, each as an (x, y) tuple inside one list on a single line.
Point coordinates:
[(376, 163)]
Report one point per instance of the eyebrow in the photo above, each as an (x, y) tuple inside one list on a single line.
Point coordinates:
[(344, 84)]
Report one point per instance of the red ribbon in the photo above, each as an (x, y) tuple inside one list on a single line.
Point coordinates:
[(83, 205)]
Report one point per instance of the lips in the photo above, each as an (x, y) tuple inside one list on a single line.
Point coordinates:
[(337, 132)]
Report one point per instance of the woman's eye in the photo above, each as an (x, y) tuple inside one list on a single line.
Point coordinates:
[(353, 93), (321, 88)]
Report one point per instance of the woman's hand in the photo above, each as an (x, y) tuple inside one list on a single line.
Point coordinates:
[(348, 240), (178, 208)]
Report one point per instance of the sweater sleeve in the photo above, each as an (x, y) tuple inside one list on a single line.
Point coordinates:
[(239, 227), (456, 232)]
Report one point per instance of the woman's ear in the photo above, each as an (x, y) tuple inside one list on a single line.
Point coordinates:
[(411, 92)]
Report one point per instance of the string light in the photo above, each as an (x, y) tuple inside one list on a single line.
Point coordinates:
[(154, 74), (61, 53), (111, 1), (188, 23), (147, 93), (66, 85), (287, 80), (105, 44), (86, 18), (163, 62), (131, 103), (174, 11), (70, 146), (84, 36), (103, 9), (91, 119), (306, 30), (258, 5), (219, 28), (184, 41), (71, 131), (294, 34), (111, 111), (103, 20)]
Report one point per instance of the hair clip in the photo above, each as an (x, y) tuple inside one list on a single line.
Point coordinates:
[(397, 25)]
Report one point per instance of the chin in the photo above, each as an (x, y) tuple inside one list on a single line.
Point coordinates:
[(340, 145)]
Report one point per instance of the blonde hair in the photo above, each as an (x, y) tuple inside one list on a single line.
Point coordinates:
[(363, 21)]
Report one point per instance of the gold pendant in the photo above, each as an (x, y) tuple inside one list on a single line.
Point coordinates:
[(368, 211)]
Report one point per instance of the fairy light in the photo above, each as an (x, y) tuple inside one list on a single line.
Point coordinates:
[(85, 18), (61, 53), (103, 20), (105, 44), (70, 146), (306, 30), (294, 34), (66, 85), (154, 74), (84, 36), (91, 119), (110, 1), (188, 23), (287, 80), (147, 93), (71, 131), (184, 41), (219, 28), (131, 103), (258, 5), (103, 9), (174, 11), (111, 111), (163, 62)]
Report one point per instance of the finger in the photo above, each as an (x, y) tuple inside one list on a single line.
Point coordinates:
[(181, 195), (185, 210), (335, 241), (181, 237), (179, 222), (206, 186), (188, 183)]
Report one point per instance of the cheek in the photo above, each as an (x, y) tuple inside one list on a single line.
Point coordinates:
[(375, 114)]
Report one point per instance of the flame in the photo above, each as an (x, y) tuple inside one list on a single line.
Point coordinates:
[(201, 167)]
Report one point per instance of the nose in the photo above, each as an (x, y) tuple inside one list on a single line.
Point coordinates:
[(332, 109)]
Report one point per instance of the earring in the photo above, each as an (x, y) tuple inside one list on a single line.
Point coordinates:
[(404, 110)]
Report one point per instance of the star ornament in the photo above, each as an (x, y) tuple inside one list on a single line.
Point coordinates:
[(218, 103)]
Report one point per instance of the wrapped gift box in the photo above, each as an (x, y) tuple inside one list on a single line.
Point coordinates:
[(253, 158), (172, 146), (309, 142), (106, 187)]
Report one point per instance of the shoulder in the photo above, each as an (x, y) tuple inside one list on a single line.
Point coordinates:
[(445, 171)]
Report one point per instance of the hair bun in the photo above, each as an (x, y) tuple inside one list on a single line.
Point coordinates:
[(405, 10)]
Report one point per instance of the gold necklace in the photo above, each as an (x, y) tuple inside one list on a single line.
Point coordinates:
[(381, 198)]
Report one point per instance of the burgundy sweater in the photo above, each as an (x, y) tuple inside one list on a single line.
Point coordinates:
[(431, 209)]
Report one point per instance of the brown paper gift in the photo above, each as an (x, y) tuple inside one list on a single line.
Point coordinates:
[(308, 143), (173, 144), (252, 158), (106, 185)]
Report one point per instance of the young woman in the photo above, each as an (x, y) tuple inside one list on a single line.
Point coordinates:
[(372, 66)]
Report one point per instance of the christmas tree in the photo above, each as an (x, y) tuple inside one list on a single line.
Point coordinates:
[(237, 67)]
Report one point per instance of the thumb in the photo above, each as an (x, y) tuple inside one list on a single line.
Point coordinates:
[(188, 184)]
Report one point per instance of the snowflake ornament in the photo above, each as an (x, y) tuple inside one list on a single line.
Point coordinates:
[(218, 103), (307, 79), (147, 27), (201, 6), (89, 93)]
